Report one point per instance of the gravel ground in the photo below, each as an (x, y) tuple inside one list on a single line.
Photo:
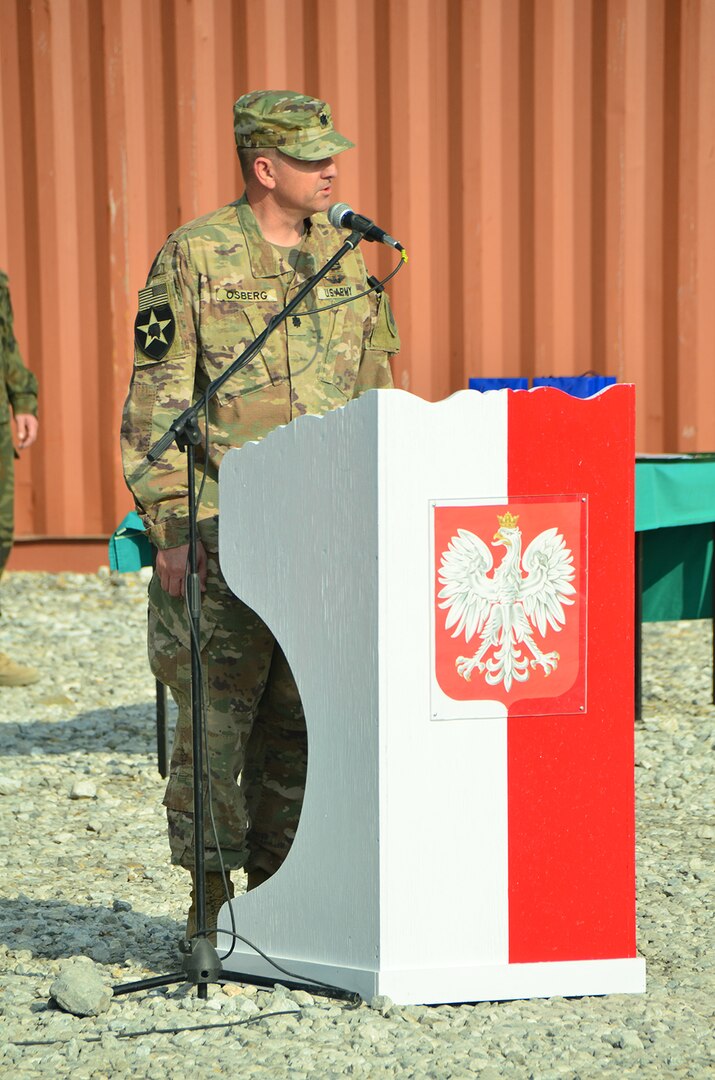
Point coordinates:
[(85, 875)]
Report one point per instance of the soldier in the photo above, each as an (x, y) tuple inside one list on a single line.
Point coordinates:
[(18, 393), (212, 289)]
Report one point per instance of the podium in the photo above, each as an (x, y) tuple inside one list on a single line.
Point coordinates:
[(468, 825)]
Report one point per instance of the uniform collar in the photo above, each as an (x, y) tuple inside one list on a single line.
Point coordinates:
[(265, 259)]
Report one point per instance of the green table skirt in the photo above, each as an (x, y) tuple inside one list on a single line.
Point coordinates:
[(677, 573), (675, 511)]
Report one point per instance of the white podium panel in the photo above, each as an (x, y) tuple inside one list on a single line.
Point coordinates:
[(418, 870)]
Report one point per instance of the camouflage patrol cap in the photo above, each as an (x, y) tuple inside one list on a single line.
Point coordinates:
[(299, 126)]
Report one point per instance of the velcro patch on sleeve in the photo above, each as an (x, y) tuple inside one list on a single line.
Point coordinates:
[(154, 326)]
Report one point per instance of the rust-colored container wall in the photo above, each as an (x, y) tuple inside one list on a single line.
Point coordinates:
[(549, 164)]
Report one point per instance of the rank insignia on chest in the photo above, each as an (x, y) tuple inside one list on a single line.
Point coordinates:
[(154, 325)]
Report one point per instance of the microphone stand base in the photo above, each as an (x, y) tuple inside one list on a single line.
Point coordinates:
[(201, 966)]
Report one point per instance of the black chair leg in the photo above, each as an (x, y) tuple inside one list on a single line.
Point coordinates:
[(638, 627), (162, 734), (712, 600)]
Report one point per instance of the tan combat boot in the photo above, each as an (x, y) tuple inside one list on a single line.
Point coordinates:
[(12, 674), (215, 899)]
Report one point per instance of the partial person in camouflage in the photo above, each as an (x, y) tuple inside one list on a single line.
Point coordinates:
[(212, 289), (18, 399)]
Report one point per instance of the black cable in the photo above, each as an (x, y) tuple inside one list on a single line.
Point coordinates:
[(376, 287), (209, 792), (162, 1031), (274, 963), (202, 697), (206, 453)]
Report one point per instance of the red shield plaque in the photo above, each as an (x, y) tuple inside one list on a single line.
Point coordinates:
[(509, 604)]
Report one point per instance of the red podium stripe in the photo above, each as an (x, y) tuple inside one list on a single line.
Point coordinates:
[(570, 777)]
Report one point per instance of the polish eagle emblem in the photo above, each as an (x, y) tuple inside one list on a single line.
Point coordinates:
[(525, 594)]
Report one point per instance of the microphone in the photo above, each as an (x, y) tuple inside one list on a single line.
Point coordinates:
[(343, 216)]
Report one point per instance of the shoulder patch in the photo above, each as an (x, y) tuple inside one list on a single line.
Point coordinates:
[(154, 326), (385, 335)]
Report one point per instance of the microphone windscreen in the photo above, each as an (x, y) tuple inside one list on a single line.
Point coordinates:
[(337, 212)]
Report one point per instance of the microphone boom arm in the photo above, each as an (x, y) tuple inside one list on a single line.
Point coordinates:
[(184, 428)]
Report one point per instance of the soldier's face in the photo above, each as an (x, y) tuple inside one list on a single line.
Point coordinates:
[(305, 187)]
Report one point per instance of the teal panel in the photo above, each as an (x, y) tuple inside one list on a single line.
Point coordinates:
[(129, 547)]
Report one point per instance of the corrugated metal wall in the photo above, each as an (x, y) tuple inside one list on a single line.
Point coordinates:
[(549, 164)]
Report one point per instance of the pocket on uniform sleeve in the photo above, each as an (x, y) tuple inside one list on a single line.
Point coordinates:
[(385, 336), (136, 429)]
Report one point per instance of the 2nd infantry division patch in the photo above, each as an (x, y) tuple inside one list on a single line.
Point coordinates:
[(154, 325)]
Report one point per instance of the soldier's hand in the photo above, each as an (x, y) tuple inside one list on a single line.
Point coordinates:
[(26, 426), (171, 568)]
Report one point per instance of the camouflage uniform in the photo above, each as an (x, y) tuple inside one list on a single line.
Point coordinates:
[(18, 392), (211, 291)]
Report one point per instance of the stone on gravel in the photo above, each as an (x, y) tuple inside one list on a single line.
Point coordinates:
[(381, 1003), (81, 990), (83, 789), (248, 1007)]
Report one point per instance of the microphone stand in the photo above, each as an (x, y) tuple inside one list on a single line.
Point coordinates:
[(201, 964)]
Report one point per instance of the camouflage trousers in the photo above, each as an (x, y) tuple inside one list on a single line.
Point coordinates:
[(256, 758), (7, 491)]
